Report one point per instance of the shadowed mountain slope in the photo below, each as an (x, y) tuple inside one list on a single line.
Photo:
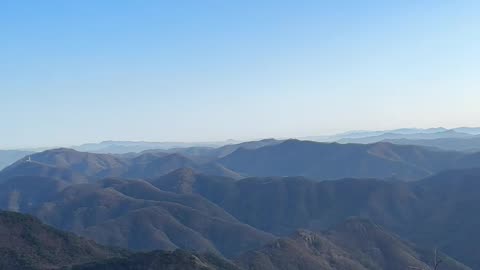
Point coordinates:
[(132, 214), (356, 244), (176, 260), (353, 245), (438, 211), (25, 243)]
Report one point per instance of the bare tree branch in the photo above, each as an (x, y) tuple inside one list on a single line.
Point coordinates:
[(436, 262)]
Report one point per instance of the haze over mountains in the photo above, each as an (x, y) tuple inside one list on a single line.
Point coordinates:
[(321, 161), (457, 139), (253, 205), (7, 157), (239, 135)]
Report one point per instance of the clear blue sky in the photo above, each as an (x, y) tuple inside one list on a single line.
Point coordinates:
[(86, 71)]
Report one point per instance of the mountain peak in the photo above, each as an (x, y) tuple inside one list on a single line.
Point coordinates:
[(179, 181)]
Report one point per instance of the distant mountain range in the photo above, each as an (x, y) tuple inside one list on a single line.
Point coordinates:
[(121, 147), (333, 160), (321, 161), (371, 133), (457, 139), (468, 144), (401, 131), (413, 136)]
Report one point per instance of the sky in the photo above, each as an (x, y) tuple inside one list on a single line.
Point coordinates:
[(76, 71)]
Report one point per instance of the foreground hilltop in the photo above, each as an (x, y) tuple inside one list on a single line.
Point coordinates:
[(356, 244), (28, 244), (25, 243)]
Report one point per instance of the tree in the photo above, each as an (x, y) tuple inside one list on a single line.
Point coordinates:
[(436, 262)]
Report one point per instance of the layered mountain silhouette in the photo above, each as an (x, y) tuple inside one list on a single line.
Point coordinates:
[(469, 144), (227, 217), (258, 201), (122, 147), (409, 136), (435, 212), (319, 161), (457, 139)]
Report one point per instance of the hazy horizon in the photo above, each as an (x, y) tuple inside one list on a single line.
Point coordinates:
[(219, 141), (89, 71)]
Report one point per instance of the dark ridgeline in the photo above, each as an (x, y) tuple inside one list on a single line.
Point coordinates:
[(335, 161)]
